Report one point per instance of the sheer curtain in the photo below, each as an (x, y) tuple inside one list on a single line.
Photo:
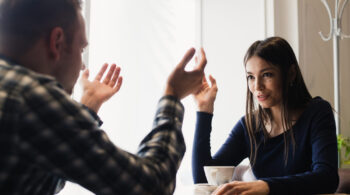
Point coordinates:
[(147, 38)]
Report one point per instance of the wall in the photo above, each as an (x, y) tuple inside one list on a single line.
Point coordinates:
[(299, 22), (229, 28), (286, 22), (316, 56)]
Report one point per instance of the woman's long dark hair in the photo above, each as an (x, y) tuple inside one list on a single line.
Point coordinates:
[(277, 52)]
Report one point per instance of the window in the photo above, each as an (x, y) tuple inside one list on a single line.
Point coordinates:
[(147, 38)]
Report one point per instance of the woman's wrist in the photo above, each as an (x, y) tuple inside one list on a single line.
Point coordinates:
[(206, 108)]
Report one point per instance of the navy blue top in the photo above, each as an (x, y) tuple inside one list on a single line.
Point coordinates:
[(312, 169)]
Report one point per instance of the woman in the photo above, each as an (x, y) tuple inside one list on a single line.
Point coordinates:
[(288, 136)]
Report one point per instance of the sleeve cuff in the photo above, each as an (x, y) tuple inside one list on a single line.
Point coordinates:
[(171, 108), (94, 115)]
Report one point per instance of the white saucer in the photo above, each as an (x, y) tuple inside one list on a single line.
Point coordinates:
[(204, 189)]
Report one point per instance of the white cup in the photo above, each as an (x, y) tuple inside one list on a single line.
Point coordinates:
[(217, 175)]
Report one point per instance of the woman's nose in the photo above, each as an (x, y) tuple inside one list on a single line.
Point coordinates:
[(259, 85)]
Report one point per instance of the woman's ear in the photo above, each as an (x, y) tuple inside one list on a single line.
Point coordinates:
[(56, 43)]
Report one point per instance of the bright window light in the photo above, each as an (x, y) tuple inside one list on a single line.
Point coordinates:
[(147, 38)]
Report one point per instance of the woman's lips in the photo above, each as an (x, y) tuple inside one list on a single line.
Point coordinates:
[(262, 98)]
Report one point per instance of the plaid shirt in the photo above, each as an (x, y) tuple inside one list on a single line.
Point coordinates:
[(46, 138)]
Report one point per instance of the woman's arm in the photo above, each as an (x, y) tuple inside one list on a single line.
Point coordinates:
[(232, 152)]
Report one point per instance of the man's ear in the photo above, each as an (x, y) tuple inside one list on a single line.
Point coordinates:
[(56, 43)]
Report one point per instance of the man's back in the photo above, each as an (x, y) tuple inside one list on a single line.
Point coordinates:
[(19, 175), (46, 137), (50, 138)]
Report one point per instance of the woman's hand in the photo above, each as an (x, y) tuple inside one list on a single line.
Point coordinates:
[(95, 92), (206, 95), (243, 188)]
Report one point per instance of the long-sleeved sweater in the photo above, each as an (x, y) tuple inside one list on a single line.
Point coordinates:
[(310, 169)]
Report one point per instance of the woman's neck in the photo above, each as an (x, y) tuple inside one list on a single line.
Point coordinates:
[(275, 126)]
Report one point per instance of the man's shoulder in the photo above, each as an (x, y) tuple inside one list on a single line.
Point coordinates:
[(16, 77)]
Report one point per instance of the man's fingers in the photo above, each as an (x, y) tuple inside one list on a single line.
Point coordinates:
[(119, 84), (101, 72), (203, 60), (187, 57), (109, 74), (212, 81), (115, 76)]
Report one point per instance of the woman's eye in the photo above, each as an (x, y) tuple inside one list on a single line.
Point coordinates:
[(267, 74), (250, 77)]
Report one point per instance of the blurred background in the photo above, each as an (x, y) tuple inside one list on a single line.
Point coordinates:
[(147, 38)]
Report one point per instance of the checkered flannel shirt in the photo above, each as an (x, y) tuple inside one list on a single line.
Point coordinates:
[(47, 138)]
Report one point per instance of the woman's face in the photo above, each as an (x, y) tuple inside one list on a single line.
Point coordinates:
[(264, 82)]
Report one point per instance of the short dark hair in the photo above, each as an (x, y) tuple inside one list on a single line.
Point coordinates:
[(24, 22)]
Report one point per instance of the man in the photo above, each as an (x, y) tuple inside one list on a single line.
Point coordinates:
[(47, 138)]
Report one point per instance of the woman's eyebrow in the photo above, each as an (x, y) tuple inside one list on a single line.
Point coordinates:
[(263, 70)]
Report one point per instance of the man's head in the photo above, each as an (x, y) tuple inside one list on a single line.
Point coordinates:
[(47, 36)]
